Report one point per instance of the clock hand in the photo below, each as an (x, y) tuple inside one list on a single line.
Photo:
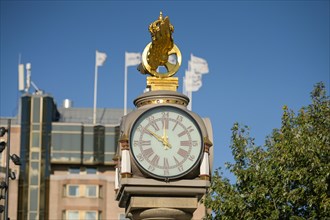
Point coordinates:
[(166, 143), (159, 138), (155, 135)]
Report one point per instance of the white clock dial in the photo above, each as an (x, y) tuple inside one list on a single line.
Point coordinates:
[(166, 142)]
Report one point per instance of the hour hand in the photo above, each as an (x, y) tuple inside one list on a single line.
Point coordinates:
[(161, 139)]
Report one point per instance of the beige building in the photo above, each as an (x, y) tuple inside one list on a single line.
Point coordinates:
[(67, 170)]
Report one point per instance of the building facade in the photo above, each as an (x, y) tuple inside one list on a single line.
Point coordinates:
[(67, 169)]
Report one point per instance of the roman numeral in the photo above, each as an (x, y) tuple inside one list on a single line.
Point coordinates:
[(140, 129), (185, 143), (178, 119), (145, 143), (166, 164), (151, 168), (189, 129), (140, 157), (182, 133), (155, 160), (165, 122), (180, 167), (183, 153), (148, 152), (154, 125), (191, 157), (166, 167)]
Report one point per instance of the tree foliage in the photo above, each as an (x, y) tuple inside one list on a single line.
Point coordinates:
[(287, 178)]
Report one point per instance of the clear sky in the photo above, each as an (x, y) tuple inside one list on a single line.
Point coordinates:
[(261, 55)]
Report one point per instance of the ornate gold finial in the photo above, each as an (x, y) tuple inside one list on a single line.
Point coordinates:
[(156, 54)]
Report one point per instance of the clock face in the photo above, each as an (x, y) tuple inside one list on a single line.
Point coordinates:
[(166, 142)]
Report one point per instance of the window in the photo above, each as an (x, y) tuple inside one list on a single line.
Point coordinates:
[(90, 215), (91, 170), (72, 215), (81, 214), (74, 170), (91, 191), (73, 190)]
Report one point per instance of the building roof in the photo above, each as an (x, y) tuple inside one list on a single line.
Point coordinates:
[(85, 115), (4, 121)]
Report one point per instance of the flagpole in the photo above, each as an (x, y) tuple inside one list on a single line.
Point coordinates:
[(183, 86), (189, 94), (125, 88), (95, 91)]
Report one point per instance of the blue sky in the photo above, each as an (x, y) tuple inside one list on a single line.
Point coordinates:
[(261, 55)]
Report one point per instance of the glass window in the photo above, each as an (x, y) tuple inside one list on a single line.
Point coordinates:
[(34, 173), (91, 170), (88, 138), (91, 215), (36, 127), (35, 156), (73, 190), (33, 215), (66, 141), (34, 198), (66, 127), (74, 170), (91, 191), (35, 139), (36, 109), (81, 214), (73, 215), (111, 141)]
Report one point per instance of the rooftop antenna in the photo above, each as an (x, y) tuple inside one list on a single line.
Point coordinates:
[(29, 82), (21, 86), (28, 77)]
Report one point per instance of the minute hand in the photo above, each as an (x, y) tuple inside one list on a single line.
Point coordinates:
[(155, 135), (166, 143)]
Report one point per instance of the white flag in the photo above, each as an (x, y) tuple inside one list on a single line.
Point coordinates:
[(198, 65), (132, 59), (192, 81), (100, 58)]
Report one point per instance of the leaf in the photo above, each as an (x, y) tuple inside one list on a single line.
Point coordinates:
[(287, 178)]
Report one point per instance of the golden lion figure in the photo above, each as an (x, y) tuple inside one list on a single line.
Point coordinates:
[(157, 52), (162, 42)]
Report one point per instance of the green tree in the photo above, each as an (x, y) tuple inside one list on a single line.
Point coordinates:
[(287, 178)]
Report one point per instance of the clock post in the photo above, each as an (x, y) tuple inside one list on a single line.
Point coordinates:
[(164, 150)]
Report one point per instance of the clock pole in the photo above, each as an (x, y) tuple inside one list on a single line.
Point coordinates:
[(164, 154)]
